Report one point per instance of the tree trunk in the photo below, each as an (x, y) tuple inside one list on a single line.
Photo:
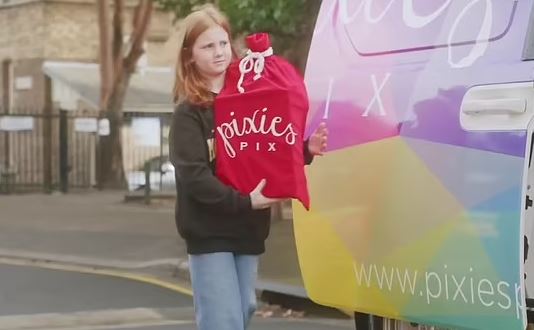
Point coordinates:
[(303, 44), (121, 66), (297, 47), (106, 70), (112, 174)]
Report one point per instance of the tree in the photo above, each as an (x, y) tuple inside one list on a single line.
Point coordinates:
[(290, 22), (117, 63)]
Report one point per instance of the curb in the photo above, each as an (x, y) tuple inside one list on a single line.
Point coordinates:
[(166, 263), (131, 271), (146, 271), (104, 319)]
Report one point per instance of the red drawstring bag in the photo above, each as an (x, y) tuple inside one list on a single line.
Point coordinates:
[(260, 118)]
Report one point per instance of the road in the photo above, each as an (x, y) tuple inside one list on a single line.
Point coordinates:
[(52, 299)]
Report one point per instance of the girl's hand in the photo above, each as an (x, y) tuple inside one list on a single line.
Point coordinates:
[(318, 140), (258, 200)]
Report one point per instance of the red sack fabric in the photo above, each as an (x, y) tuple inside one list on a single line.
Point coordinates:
[(260, 119)]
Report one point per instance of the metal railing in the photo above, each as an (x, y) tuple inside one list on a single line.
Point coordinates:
[(59, 151), (45, 152)]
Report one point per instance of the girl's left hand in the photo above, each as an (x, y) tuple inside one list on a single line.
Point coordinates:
[(318, 140)]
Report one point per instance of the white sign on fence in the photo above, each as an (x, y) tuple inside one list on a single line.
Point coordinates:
[(103, 127), (85, 125), (147, 131), (16, 123), (23, 83)]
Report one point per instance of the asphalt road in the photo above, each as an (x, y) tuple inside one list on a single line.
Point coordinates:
[(37, 298)]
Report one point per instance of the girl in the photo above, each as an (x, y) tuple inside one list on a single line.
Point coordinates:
[(223, 229)]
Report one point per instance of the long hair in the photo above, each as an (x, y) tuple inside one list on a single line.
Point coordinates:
[(189, 85)]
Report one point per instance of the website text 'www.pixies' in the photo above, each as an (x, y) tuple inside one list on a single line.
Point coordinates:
[(444, 286)]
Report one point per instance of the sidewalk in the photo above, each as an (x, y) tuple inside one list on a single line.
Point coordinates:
[(94, 229), (100, 230)]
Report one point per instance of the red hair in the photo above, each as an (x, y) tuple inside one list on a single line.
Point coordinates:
[(189, 84)]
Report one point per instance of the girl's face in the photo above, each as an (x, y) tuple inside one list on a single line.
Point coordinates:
[(211, 52)]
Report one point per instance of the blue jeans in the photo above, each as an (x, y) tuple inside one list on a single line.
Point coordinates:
[(223, 289)]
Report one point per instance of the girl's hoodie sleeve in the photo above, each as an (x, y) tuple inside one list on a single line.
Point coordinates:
[(190, 158)]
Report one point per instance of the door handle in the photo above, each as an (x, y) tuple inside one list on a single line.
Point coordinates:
[(505, 106), (498, 107)]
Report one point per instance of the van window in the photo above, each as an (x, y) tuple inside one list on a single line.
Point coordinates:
[(389, 26), (528, 50)]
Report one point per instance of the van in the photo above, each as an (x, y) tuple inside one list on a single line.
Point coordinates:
[(421, 206)]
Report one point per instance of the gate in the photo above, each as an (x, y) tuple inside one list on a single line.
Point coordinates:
[(46, 152)]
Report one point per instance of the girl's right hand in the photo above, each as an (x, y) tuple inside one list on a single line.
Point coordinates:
[(258, 200)]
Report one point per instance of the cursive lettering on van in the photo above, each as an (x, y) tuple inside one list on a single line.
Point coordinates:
[(483, 36), (339, 12), (260, 124), (410, 17), (413, 20)]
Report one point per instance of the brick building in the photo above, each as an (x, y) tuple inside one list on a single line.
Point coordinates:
[(35, 31), (48, 59)]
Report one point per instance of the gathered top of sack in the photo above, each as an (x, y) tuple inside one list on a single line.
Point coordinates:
[(259, 45)]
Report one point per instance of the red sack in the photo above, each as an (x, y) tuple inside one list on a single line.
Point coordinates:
[(260, 118)]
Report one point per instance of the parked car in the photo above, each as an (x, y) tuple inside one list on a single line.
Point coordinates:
[(161, 175)]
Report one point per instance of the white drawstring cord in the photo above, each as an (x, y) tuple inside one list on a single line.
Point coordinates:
[(253, 60)]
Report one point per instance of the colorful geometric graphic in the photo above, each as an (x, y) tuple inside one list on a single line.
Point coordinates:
[(412, 216)]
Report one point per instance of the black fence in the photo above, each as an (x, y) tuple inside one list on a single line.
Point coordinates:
[(60, 151)]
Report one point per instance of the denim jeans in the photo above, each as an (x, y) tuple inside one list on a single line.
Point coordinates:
[(223, 289)]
